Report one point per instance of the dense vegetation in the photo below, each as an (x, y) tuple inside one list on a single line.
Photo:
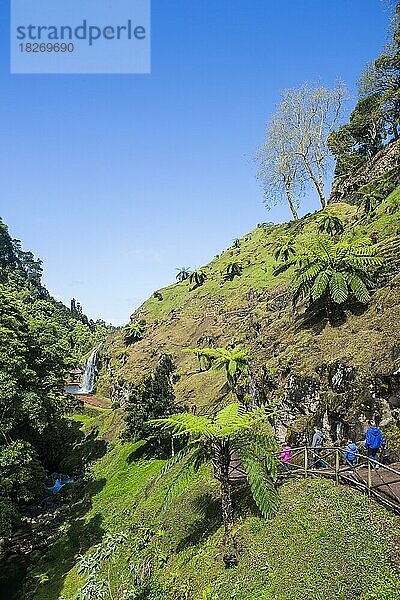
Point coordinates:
[(376, 118), (40, 341), (293, 325), (320, 541)]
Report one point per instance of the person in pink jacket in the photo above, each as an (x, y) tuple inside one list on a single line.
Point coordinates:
[(285, 456)]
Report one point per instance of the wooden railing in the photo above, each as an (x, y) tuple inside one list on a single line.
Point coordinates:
[(372, 477)]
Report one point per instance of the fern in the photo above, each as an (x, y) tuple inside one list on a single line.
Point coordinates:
[(261, 483), (338, 288), (320, 284), (335, 271), (218, 437)]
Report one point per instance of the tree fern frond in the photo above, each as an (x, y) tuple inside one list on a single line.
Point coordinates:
[(358, 288), (261, 484), (182, 456), (338, 288), (184, 475), (183, 424), (320, 284)]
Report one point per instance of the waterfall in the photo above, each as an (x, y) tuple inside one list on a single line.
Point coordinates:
[(89, 376)]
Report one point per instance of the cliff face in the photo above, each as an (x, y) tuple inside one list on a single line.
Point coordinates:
[(345, 188), (336, 374)]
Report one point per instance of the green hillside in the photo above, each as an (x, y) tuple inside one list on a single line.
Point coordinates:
[(325, 541), (255, 309)]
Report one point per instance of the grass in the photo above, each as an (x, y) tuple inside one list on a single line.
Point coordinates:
[(317, 545), (326, 542), (253, 309)]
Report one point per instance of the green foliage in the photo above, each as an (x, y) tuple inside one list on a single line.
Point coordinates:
[(285, 250), (40, 341), (233, 270), (234, 360), (90, 566), (208, 594), (335, 271), (377, 113), (330, 224), (197, 278), (22, 474), (151, 398), (134, 332), (183, 274), (220, 435), (370, 200)]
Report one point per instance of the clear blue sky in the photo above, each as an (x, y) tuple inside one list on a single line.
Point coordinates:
[(116, 180)]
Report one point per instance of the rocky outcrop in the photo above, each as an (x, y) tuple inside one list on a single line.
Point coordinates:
[(344, 189), (339, 399)]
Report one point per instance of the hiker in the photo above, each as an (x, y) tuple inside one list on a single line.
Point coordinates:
[(317, 444), (285, 456), (374, 440), (350, 452)]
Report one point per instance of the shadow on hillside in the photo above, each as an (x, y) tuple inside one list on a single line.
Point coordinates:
[(208, 510), (316, 317), (243, 502), (86, 451), (78, 537), (156, 448)]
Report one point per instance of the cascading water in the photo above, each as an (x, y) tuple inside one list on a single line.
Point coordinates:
[(89, 376)]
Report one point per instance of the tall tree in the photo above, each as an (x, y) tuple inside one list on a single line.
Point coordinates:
[(376, 116), (305, 118), (279, 172), (382, 79)]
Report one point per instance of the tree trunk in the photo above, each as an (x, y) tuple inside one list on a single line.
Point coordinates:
[(226, 503), (291, 205), (318, 186), (222, 463)]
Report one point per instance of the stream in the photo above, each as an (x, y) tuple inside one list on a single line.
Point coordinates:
[(38, 530)]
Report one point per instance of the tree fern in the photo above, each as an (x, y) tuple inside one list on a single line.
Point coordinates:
[(219, 436), (234, 360), (335, 271), (330, 224)]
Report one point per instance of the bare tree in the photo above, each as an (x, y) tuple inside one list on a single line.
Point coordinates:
[(308, 115), (279, 173)]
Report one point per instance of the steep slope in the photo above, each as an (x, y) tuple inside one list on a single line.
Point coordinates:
[(337, 373), (325, 541)]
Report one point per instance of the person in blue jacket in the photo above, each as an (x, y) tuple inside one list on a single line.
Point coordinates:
[(350, 452), (374, 440)]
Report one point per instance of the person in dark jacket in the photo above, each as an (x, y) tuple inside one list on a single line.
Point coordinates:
[(317, 444), (374, 440), (350, 452)]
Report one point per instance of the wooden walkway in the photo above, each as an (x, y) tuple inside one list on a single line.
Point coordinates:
[(379, 481)]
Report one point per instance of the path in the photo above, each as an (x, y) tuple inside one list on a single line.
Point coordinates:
[(379, 481), (93, 400)]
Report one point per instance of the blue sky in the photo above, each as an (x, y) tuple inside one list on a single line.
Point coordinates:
[(116, 180)]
